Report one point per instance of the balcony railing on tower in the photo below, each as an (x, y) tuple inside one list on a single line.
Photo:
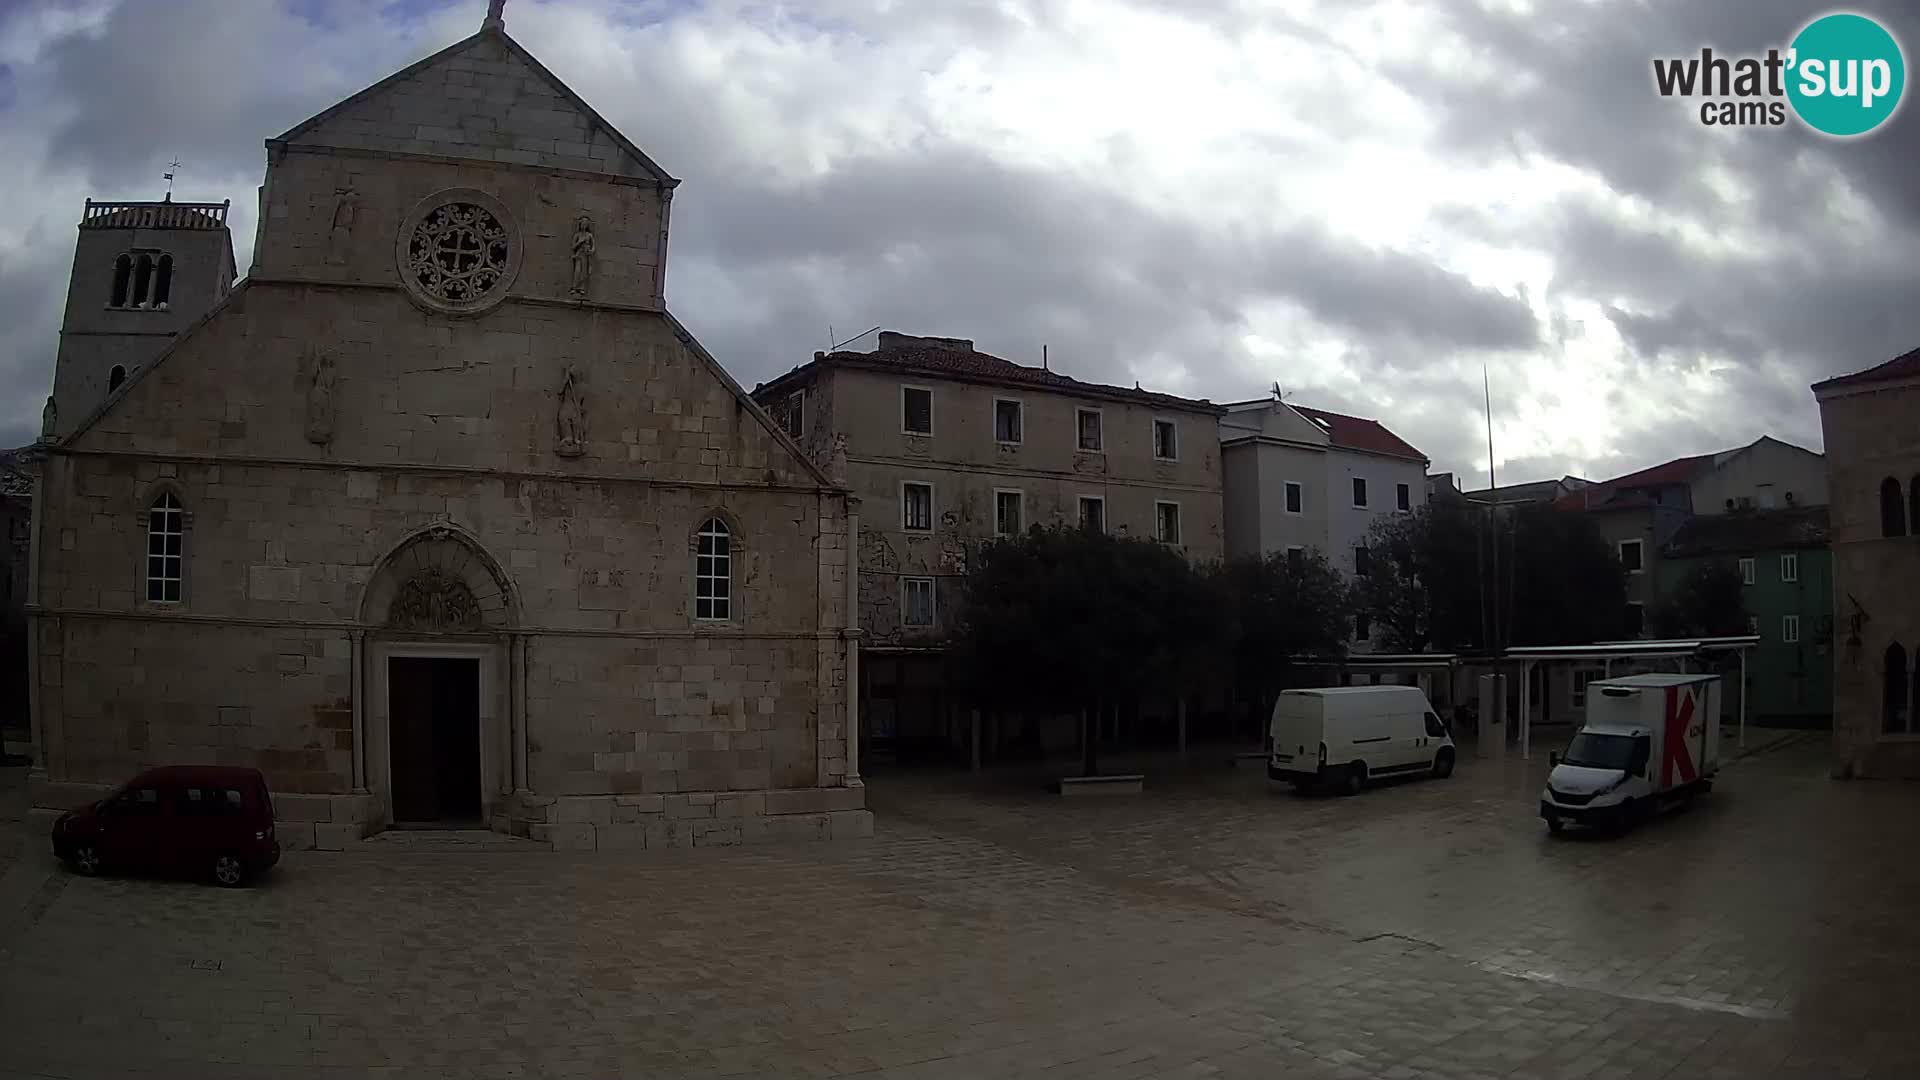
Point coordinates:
[(165, 214)]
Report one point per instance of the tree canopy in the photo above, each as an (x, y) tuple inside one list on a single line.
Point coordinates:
[(1451, 576), (1710, 600), (1065, 618)]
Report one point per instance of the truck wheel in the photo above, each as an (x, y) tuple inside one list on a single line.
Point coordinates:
[(1354, 780), (1443, 764)]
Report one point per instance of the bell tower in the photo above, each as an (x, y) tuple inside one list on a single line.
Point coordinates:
[(142, 273)]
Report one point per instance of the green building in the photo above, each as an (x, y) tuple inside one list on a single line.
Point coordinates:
[(1788, 569)]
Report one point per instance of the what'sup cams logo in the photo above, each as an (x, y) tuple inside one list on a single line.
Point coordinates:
[(1843, 75)]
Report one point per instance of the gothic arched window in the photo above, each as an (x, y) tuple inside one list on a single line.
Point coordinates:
[(1893, 510), (122, 278), (163, 281), (142, 279)]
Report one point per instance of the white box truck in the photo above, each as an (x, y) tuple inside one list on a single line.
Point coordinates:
[(1648, 740), (1343, 736)]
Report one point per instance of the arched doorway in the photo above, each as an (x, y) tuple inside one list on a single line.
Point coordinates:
[(439, 614)]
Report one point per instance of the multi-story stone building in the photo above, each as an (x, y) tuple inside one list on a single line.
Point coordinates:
[(1873, 453), (440, 515), (947, 447), (1784, 562), (1639, 513), (1298, 478)]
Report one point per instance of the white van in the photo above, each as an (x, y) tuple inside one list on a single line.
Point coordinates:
[(1344, 735)]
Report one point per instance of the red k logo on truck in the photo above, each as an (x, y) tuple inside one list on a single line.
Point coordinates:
[(1681, 703)]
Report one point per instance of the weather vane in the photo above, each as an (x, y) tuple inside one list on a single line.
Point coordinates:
[(168, 175)]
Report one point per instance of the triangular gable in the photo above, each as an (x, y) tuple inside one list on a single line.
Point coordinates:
[(190, 339), (746, 402), (483, 98)]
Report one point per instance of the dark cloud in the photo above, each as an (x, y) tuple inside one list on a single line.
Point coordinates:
[(1772, 281), (836, 193)]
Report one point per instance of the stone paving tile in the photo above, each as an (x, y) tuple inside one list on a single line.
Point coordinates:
[(1211, 928)]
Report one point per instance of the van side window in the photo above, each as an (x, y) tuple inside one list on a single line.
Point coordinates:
[(209, 802), (1434, 727), (142, 802)]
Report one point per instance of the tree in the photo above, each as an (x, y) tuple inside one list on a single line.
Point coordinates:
[(1393, 591), (1424, 578), (1073, 620), (1709, 601), (1560, 582), (1280, 606)]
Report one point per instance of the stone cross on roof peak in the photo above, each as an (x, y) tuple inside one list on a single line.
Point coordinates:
[(496, 15)]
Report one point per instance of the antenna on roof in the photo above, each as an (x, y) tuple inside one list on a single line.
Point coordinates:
[(851, 340), (1043, 359), (829, 337), (1278, 394)]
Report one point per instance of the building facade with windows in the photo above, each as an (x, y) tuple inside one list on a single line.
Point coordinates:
[(440, 516), (947, 447), (1300, 479), (1784, 562), (1640, 513), (1873, 453)]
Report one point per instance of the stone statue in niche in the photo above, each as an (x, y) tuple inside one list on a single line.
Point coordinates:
[(346, 207), (582, 256), (48, 419), (837, 459), (572, 417), (320, 387), (435, 602)]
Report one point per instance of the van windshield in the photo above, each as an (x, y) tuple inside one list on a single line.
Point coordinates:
[(1593, 750)]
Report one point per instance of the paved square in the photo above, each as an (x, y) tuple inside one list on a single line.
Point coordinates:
[(1211, 928)]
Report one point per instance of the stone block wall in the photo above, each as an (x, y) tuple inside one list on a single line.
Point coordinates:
[(702, 819), (478, 393), (1869, 436), (661, 715), (133, 694)]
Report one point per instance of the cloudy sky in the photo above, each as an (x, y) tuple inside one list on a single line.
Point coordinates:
[(1362, 201)]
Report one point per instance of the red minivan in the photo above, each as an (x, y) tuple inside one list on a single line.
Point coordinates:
[(181, 819)]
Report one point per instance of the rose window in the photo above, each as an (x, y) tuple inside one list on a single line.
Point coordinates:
[(458, 253)]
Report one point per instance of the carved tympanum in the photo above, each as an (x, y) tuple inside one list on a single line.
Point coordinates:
[(435, 602)]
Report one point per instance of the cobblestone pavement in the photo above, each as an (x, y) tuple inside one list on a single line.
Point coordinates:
[(1210, 928)]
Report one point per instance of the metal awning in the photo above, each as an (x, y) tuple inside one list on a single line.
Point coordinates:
[(1608, 651), (1381, 660)]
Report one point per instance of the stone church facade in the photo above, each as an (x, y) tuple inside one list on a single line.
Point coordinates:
[(441, 516)]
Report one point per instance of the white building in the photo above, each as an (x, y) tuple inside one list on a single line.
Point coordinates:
[(1300, 478)]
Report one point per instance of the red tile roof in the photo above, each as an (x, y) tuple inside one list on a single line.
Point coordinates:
[(1359, 433), (1904, 366), (1616, 494), (985, 367)]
